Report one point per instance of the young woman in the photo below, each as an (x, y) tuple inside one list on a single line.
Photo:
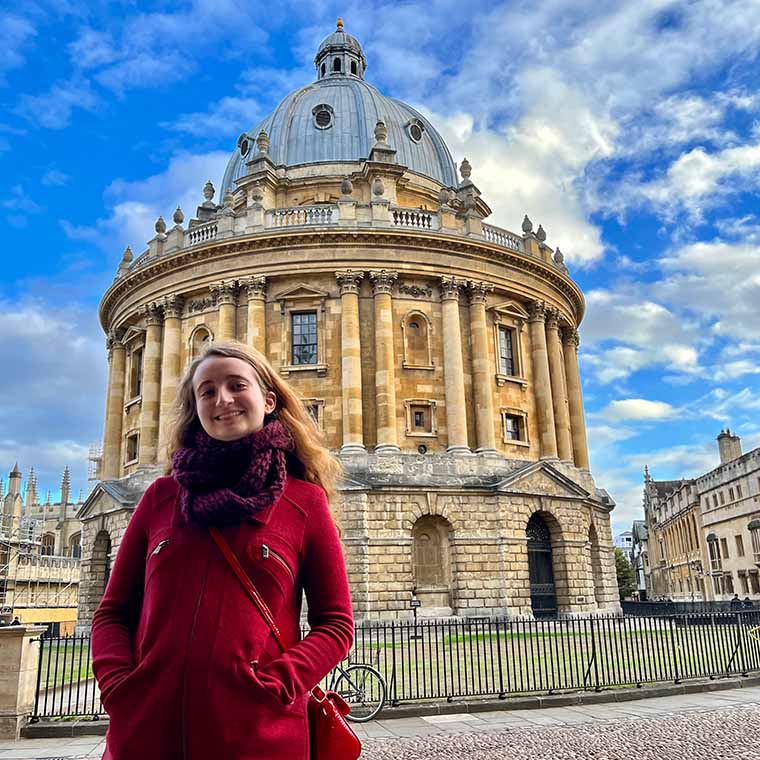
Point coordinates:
[(188, 669)]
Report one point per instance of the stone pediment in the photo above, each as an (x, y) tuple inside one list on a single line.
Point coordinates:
[(300, 291), (107, 496), (541, 479)]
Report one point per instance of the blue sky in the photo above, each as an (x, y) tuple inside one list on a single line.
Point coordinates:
[(631, 131)]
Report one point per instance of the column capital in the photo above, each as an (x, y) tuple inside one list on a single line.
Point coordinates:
[(382, 281), (113, 339), (153, 313), (349, 280), (478, 291), (537, 311), (552, 319), (255, 287), (570, 337), (172, 306), (450, 288), (224, 291)]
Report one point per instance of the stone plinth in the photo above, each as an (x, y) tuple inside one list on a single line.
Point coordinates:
[(19, 655)]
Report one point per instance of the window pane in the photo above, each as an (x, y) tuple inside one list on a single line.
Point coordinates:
[(506, 352), (511, 427), (304, 337)]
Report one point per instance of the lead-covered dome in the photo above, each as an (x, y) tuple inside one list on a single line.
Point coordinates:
[(333, 120)]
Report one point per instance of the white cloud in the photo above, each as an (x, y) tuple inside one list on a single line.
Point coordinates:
[(638, 409), (55, 178), (92, 49), (15, 35), (133, 207), (228, 116), (53, 109)]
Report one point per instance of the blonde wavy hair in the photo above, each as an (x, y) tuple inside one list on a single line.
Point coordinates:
[(310, 460)]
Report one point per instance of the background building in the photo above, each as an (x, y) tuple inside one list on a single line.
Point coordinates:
[(40, 550), (437, 353), (704, 533)]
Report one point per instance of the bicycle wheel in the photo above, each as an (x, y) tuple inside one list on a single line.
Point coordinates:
[(364, 689)]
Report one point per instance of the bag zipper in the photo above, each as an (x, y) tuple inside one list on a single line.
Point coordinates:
[(159, 546), (267, 552)]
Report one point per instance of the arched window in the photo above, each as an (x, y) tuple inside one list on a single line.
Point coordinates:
[(48, 544), (336, 65), (353, 67), (200, 338), (322, 70), (543, 595), (416, 331), (431, 554), (101, 562), (75, 546)]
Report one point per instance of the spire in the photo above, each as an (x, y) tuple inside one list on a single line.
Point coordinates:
[(2, 488), (15, 472), (66, 487), (31, 489)]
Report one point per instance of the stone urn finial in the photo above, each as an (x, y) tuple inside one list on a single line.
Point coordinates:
[(378, 188), (465, 169), (178, 217), (346, 187), (541, 233), (229, 199), (262, 142), (381, 132), (339, 25), (208, 190), (527, 225), (160, 226), (127, 256), (444, 196)]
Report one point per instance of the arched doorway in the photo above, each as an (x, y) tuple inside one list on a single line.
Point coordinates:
[(543, 592), (101, 563)]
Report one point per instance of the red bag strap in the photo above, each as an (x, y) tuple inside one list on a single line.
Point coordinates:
[(234, 563)]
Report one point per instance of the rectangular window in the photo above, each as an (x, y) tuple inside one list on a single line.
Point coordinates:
[(135, 374), (715, 500), (304, 337), (133, 448), (512, 424), (740, 546), (420, 417), (745, 583), (506, 351), (754, 582), (724, 547), (715, 562), (738, 491), (730, 494), (755, 533), (722, 498), (728, 583)]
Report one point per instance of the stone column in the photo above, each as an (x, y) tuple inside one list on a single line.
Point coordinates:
[(170, 367), (542, 391), (385, 362), (117, 362), (351, 361), (256, 326), (482, 376), (151, 386), (225, 293), (559, 391), (20, 655), (453, 369), (575, 398)]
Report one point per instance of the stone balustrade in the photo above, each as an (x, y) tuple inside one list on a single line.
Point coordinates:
[(301, 216), (414, 218), (203, 233), (46, 568), (502, 237)]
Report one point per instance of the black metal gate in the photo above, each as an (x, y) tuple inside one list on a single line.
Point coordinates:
[(543, 596)]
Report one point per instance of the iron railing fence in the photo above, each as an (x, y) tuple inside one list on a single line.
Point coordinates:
[(652, 608), (455, 658)]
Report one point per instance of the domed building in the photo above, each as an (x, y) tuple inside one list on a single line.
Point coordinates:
[(437, 353)]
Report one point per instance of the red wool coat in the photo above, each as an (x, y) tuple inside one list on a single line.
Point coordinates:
[(187, 667)]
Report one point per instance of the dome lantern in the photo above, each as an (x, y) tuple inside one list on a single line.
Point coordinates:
[(340, 54)]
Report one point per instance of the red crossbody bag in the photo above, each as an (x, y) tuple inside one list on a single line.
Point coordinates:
[(331, 737)]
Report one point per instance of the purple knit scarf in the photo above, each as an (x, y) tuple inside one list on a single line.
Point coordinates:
[(227, 482)]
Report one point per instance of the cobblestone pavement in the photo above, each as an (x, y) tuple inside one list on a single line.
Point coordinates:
[(732, 732), (714, 725)]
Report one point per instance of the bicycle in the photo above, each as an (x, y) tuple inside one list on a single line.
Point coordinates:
[(363, 688)]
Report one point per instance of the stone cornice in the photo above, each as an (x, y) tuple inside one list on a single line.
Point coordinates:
[(314, 239)]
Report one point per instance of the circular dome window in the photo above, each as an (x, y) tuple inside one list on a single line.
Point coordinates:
[(244, 144), (416, 129), (323, 116)]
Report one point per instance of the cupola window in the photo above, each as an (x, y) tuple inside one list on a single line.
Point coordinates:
[(336, 65), (415, 129), (353, 67), (322, 70), (323, 116), (244, 145)]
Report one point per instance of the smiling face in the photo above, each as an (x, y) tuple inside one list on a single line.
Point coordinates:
[(228, 398)]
